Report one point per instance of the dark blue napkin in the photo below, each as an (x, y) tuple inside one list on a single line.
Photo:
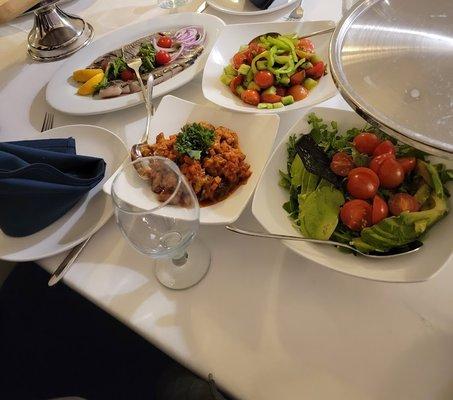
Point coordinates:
[(40, 181), (262, 4)]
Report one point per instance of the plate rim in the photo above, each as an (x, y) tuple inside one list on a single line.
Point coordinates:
[(95, 228), (250, 13)]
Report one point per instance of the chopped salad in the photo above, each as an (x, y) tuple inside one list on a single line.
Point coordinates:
[(274, 71), (362, 188)]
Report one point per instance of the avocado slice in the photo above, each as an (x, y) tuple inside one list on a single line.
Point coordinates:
[(401, 230)]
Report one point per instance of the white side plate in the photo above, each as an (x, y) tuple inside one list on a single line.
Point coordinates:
[(246, 7), (267, 209), (256, 136), (61, 90), (88, 215), (228, 43)]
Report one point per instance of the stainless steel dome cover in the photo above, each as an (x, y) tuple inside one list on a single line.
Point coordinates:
[(392, 61)]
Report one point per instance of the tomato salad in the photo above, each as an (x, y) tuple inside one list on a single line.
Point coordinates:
[(362, 188), (274, 71)]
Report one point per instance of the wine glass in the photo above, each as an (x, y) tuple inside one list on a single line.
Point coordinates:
[(157, 211), (166, 4)]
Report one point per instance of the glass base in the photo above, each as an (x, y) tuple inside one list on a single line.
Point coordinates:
[(166, 4), (188, 274)]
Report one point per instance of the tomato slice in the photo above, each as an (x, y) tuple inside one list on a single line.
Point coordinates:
[(270, 98), (298, 92), (306, 44), (250, 97), (377, 161), (280, 90), (165, 41), (239, 59), (341, 163), (316, 71), (366, 142), (391, 174), (380, 209), (162, 57), (127, 75), (237, 80), (363, 183), (403, 202), (408, 164), (256, 48), (264, 79), (356, 214), (384, 147), (297, 78)]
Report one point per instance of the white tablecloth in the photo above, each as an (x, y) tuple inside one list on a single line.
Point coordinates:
[(267, 323)]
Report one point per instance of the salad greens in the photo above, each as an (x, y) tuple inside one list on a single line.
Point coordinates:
[(314, 203), (194, 139), (147, 53)]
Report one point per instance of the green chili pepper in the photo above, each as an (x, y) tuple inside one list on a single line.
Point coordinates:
[(264, 54), (291, 46)]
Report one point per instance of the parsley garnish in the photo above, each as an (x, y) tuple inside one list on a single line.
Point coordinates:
[(194, 140)]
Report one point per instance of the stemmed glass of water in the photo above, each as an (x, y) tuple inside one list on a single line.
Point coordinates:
[(157, 211)]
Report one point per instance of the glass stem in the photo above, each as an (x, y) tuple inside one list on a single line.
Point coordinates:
[(180, 259)]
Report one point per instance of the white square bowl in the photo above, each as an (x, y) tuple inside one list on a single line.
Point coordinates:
[(256, 137), (267, 209), (228, 43)]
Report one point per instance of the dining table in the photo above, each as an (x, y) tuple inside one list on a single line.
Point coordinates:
[(266, 323)]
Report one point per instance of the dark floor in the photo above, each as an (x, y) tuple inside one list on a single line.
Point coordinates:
[(55, 343)]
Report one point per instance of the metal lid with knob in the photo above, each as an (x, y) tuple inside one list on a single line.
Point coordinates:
[(392, 61), (56, 34)]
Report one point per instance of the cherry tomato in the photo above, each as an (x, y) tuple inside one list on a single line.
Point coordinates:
[(264, 79), (363, 183), (403, 202), (341, 163), (384, 147), (366, 142), (280, 90), (270, 98), (298, 92), (256, 48), (408, 163), (377, 161), (380, 210), (250, 97), (297, 78), (239, 59), (356, 214), (237, 80), (316, 71), (391, 174), (162, 57), (165, 41), (127, 75), (306, 45)]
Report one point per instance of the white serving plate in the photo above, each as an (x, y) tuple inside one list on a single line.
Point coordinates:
[(267, 209), (246, 7), (88, 215), (228, 43), (256, 136), (61, 90)]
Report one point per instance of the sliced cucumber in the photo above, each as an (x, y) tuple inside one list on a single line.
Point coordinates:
[(226, 79), (270, 90), (239, 90), (253, 86), (284, 80), (265, 106), (244, 69), (287, 100), (310, 83), (306, 65), (261, 65), (315, 58), (279, 104), (229, 70)]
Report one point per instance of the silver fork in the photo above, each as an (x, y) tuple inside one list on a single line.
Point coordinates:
[(47, 124), (296, 14)]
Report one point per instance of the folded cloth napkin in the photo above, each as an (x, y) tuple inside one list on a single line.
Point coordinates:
[(41, 180), (262, 4)]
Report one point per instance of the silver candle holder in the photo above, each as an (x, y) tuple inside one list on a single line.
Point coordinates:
[(56, 34)]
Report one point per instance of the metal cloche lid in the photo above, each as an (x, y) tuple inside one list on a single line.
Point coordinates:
[(392, 61)]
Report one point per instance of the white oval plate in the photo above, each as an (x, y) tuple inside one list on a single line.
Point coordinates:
[(256, 137), (228, 43), (61, 90), (88, 215), (267, 209), (246, 7)]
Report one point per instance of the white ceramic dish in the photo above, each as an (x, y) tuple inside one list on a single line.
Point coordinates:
[(88, 215), (61, 90), (228, 43), (256, 137), (267, 208), (246, 7)]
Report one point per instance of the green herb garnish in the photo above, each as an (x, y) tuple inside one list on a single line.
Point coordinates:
[(147, 53), (194, 140)]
